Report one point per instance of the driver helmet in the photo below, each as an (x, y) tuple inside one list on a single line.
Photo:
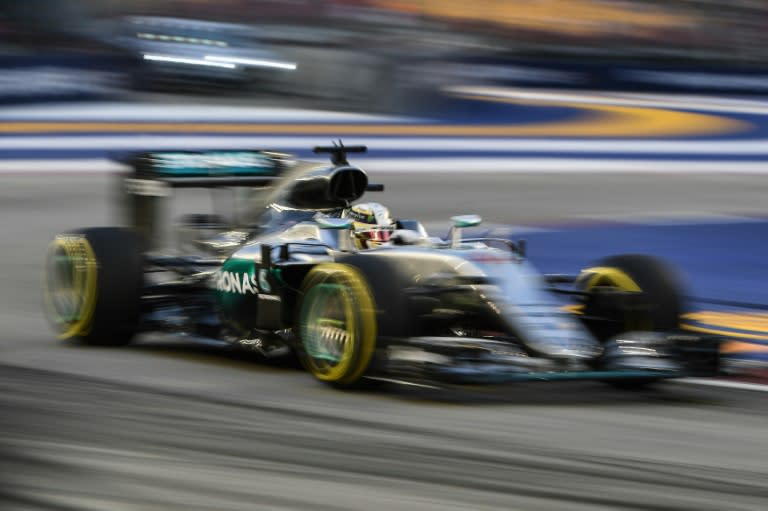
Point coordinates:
[(371, 224)]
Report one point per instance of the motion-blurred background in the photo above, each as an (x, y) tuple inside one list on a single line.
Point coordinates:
[(375, 54), (544, 116)]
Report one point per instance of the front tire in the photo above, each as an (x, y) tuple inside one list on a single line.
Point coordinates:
[(336, 324), (659, 283), (659, 310), (93, 285)]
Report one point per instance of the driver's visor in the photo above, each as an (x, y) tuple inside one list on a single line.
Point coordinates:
[(380, 235)]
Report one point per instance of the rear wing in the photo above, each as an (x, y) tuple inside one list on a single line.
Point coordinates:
[(154, 175), (187, 169)]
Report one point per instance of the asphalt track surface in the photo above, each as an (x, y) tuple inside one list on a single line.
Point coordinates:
[(163, 425)]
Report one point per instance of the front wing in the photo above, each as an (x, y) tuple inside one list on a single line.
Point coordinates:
[(463, 360)]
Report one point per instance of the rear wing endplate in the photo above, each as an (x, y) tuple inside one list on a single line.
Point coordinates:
[(154, 175)]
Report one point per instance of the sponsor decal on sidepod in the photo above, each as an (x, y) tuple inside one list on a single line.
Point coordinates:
[(240, 283)]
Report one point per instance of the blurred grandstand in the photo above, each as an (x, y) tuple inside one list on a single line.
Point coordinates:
[(732, 31), (385, 41)]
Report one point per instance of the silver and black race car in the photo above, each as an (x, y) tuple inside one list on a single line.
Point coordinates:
[(282, 276)]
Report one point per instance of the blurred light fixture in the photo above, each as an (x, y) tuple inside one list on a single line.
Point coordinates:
[(252, 62), (185, 60), (181, 39)]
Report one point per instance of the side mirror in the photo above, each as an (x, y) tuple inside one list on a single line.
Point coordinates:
[(333, 223), (460, 222)]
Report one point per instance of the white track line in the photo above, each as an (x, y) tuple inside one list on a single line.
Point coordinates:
[(176, 112), (724, 384), (561, 165), (446, 165), (418, 144)]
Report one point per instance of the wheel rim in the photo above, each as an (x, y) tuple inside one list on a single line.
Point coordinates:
[(337, 324), (70, 292), (329, 330)]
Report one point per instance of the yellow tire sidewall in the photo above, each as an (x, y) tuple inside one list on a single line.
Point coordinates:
[(610, 276), (360, 318), (84, 286)]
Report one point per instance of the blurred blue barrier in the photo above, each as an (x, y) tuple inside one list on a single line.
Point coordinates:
[(591, 75), (25, 78)]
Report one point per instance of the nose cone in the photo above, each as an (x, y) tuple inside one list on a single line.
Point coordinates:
[(551, 332), (535, 315)]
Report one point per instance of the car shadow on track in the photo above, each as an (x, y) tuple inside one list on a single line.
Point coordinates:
[(573, 393), (559, 394), (223, 356)]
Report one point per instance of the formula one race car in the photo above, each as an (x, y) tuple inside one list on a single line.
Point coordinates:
[(288, 277)]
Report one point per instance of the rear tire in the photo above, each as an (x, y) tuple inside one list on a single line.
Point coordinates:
[(93, 285)]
